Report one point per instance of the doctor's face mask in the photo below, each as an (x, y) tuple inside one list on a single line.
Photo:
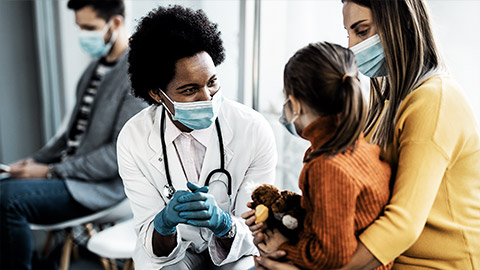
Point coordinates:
[(198, 114)]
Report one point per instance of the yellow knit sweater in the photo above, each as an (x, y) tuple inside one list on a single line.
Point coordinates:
[(433, 218)]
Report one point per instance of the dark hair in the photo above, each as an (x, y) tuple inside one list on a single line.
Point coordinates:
[(325, 77), (163, 37), (411, 56), (105, 9)]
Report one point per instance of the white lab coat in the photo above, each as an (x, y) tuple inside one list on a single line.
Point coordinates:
[(250, 157)]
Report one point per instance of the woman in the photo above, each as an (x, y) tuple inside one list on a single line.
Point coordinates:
[(429, 136)]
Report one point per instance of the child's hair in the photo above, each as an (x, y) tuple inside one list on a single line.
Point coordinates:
[(325, 77)]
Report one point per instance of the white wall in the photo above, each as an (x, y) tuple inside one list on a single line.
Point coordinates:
[(225, 13), (456, 28)]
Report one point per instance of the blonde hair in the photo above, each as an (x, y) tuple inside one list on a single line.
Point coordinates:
[(411, 57), (325, 77)]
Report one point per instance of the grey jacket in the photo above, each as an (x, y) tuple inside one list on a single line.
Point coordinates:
[(91, 174)]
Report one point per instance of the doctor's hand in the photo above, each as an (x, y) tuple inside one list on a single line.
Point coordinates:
[(165, 222), (201, 210)]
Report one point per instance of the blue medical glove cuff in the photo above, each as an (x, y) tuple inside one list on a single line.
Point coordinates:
[(161, 227), (224, 225)]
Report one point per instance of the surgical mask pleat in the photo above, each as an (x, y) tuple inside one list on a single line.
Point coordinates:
[(290, 126), (93, 43), (370, 57), (199, 114)]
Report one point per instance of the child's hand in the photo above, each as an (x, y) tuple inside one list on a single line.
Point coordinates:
[(256, 229), (272, 241)]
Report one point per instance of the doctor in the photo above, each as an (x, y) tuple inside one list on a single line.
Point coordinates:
[(190, 161)]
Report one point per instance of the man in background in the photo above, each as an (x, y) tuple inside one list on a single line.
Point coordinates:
[(76, 173)]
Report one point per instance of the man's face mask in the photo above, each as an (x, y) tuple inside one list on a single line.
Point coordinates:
[(198, 114), (93, 42), (370, 57)]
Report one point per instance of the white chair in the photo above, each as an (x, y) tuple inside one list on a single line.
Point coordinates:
[(116, 213), (116, 242)]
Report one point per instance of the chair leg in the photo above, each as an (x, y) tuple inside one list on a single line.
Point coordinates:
[(46, 245), (66, 251), (75, 252), (128, 265), (113, 264), (105, 263), (91, 231)]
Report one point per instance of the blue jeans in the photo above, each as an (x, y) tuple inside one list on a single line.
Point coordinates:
[(37, 201)]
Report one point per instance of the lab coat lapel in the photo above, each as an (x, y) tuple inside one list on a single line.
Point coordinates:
[(157, 160), (155, 144)]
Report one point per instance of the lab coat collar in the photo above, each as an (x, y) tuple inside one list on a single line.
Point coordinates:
[(172, 132), (211, 160)]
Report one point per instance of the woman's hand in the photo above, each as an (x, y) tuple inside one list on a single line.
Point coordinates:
[(269, 262), (273, 240)]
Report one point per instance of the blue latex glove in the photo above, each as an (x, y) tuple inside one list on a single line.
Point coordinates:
[(165, 222), (201, 210)]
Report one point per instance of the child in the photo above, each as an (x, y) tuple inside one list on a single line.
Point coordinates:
[(344, 183)]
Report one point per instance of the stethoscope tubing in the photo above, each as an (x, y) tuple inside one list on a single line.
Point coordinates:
[(222, 169)]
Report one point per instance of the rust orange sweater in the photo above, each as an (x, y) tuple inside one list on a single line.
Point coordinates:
[(342, 195)]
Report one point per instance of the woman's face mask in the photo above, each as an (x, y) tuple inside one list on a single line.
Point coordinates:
[(198, 114), (370, 57), (93, 42)]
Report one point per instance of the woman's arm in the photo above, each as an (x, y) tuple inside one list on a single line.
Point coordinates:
[(362, 259), (426, 134)]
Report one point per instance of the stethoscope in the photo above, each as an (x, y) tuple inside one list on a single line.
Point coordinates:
[(169, 189)]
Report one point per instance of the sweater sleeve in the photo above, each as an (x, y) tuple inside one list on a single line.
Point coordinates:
[(427, 132), (328, 240)]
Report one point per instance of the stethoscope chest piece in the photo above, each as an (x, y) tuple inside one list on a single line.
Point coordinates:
[(168, 191)]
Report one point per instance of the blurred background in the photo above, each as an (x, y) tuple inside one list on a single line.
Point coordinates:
[(41, 60)]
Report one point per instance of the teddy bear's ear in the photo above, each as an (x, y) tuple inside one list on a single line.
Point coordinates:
[(290, 222)]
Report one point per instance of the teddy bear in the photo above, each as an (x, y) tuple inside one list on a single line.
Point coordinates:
[(279, 209)]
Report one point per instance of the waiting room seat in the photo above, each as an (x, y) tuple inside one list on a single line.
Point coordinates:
[(116, 242), (114, 214)]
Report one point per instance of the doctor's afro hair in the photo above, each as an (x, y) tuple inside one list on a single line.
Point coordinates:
[(164, 36)]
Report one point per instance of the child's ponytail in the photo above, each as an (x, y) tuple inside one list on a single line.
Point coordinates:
[(325, 77)]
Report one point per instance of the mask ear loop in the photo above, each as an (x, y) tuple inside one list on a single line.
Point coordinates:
[(165, 106), (295, 114)]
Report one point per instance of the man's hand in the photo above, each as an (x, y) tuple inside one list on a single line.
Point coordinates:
[(28, 168), (273, 240)]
